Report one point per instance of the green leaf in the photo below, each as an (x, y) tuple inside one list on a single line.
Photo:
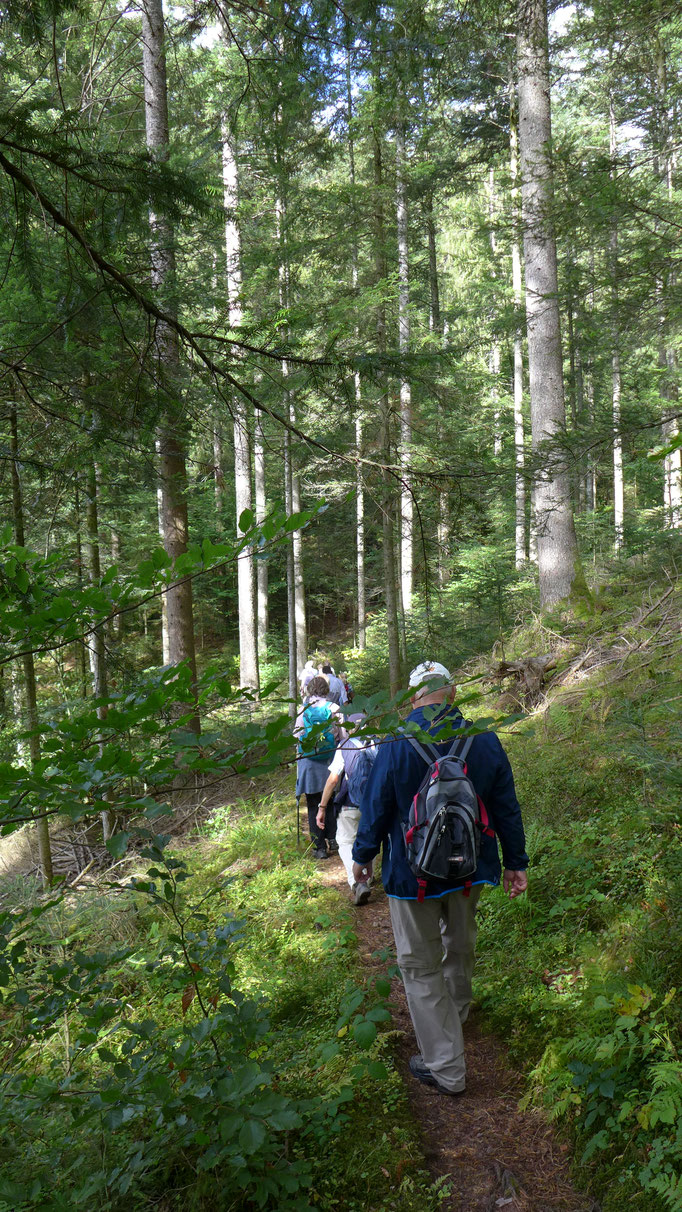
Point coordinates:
[(364, 1033), (245, 520), (252, 1135), (377, 1070), (328, 1052), (118, 844), (284, 1120), (378, 1014), (21, 579)]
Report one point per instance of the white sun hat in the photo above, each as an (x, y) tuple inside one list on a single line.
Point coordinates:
[(429, 676)]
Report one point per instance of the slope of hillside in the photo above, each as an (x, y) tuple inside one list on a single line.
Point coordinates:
[(582, 976)]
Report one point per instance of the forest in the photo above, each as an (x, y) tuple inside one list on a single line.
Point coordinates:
[(348, 334)]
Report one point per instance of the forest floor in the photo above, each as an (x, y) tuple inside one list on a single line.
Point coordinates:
[(495, 1155)]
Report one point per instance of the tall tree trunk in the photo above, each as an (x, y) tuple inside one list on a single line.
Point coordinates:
[(294, 659), (117, 621), (590, 462), (558, 561), (405, 455), (295, 500), (42, 828), (574, 412), (165, 633), (218, 473), (438, 332), (261, 564), (494, 354), (520, 548), (360, 523), (171, 440), (81, 648), (672, 464), (388, 502), (297, 553), (618, 490), (246, 581), (97, 649), (357, 384), (579, 380)]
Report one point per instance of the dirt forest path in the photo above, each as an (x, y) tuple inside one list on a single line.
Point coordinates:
[(497, 1156)]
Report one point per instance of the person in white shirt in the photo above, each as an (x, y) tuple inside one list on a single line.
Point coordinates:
[(308, 672), (348, 819)]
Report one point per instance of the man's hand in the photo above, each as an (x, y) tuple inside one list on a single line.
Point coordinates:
[(319, 819), (362, 872), (514, 882)]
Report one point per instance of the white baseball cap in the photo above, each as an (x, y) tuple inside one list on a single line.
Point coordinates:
[(427, 672)]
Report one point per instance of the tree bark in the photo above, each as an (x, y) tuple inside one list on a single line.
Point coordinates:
[(405, 454), (261, 509), (117, 621), (618, 488), (494, 354), (672, 463), (218, 473), (294, 659), (558, 562), (30, 691), (388, 502), (357, 384), (246, 581), (96, 645), (590, 462), (171, 440), (520, 550), (295, 487), (438, 331), (81, 647)]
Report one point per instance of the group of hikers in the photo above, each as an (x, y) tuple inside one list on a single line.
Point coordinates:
[(436, 809)]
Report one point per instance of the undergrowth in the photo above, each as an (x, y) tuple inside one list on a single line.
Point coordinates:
[(203, 1032), (590, 1004)]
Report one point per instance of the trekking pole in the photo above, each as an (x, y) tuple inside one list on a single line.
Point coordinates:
[(298, 820)]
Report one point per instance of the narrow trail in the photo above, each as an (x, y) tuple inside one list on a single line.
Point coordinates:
[(497, 1156)]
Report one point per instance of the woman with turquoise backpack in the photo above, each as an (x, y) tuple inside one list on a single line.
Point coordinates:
[(319, 730)]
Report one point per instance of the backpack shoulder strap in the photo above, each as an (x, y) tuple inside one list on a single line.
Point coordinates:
[(460, 753), (422, 751)]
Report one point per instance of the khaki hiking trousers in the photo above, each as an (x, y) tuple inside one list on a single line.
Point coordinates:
[(435, 943)]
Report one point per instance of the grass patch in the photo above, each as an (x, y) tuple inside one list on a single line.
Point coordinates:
[(115, 1052), (590, 1005)]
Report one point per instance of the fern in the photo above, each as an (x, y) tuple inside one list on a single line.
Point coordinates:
[(669, 1187)]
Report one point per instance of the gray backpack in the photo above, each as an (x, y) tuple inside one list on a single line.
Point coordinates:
[(446, 818)]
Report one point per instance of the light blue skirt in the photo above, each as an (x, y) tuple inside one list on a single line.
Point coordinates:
[(311, 775)]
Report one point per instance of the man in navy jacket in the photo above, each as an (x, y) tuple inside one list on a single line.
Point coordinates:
[(435, 939)]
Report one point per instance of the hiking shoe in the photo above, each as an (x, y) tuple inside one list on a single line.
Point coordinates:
[(333, 847), (361, 894), (320, 853), (419, 1070)]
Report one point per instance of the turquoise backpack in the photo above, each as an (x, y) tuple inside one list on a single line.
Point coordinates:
[(314, 715)]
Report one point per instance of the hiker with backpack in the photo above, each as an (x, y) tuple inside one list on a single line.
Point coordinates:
[(437, 809), (306, 676), (337, 690), (319, 729), (342, 795)]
